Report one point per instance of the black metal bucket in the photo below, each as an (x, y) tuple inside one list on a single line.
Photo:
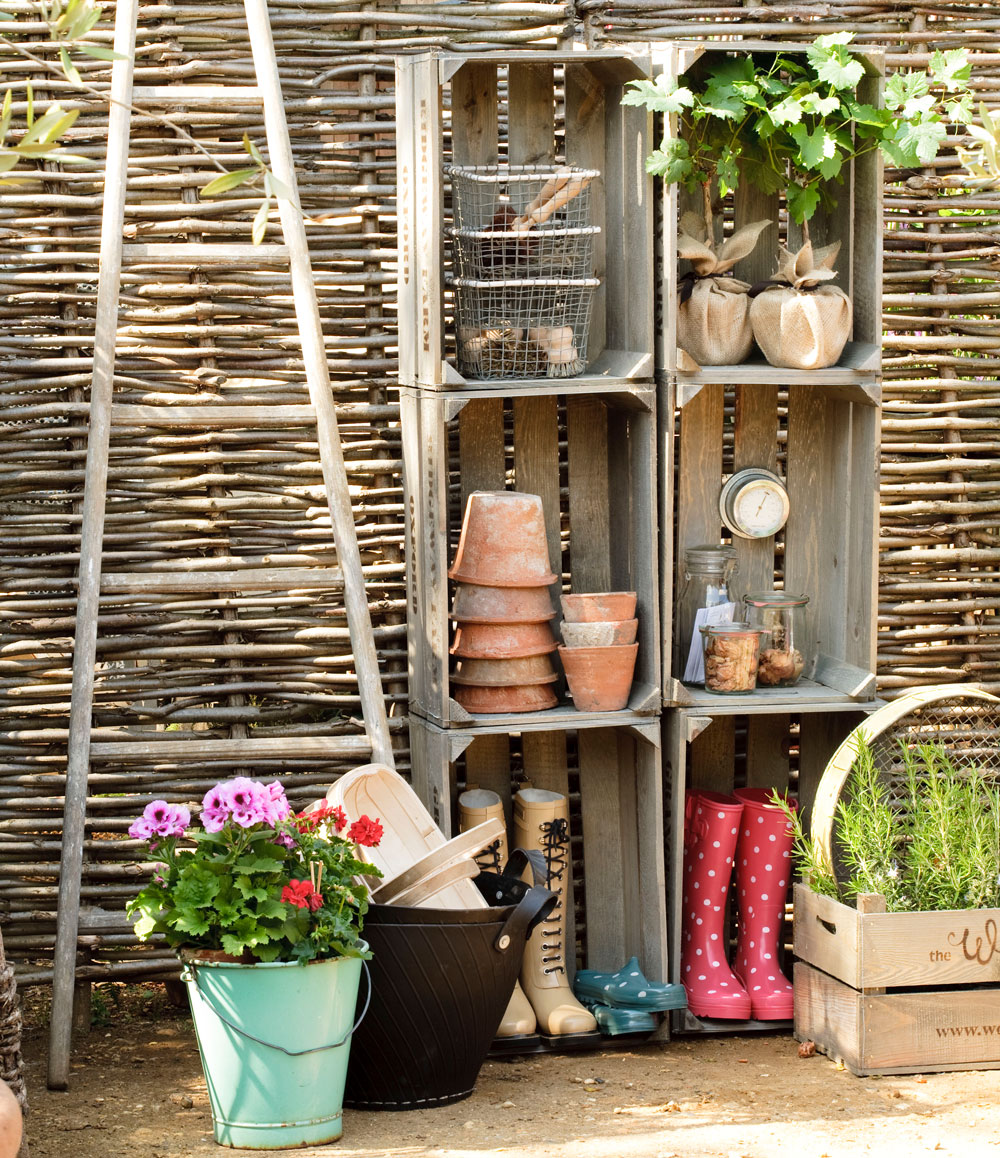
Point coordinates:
[(441, 980)]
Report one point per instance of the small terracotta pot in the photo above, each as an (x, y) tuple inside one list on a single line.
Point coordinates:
[(535, 698), (529, 669), (503, 541), (599, 678), (599, 634), (598, 606), (502, 640), (474, 604)]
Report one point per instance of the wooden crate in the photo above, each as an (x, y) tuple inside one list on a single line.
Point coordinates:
[(824, 441), (601, 522), (856, 223), (700, 752), (897, 993), (819, 429), (621, 807), (525, 108)]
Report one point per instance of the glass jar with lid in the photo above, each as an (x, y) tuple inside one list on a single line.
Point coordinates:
[(732, 652), (709, 571), (785, 654)]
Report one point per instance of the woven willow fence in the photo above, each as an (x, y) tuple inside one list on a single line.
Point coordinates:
[(189, 495)]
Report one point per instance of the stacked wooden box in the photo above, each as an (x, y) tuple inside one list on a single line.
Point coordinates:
[(586, 444), (820, 431)]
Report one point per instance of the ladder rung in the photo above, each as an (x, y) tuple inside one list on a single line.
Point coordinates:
[(198, 253), (301, 747), (261, 417), (196, 94), (251, 579)]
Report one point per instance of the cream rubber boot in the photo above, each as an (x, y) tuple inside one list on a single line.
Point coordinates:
[(475, 806), (541, 821)]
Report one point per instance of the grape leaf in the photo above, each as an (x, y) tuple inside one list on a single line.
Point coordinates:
[(802, 201), (663, 95), (814, 147), (788, 112), (953, 69)]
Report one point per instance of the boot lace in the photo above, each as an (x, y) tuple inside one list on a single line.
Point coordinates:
[(488, 858), (555, 842)]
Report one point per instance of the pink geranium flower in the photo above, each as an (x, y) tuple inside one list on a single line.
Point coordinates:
[(160, 819)]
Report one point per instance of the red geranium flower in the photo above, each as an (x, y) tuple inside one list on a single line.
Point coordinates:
[(365, 831), (306, 821), (302, 895)]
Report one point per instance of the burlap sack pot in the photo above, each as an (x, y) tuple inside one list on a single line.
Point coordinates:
[(713, 316), (799, 323)]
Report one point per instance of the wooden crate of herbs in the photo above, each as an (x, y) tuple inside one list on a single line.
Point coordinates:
[(896, 993)]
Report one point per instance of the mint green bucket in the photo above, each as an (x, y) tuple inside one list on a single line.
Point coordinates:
[(274, 1041)]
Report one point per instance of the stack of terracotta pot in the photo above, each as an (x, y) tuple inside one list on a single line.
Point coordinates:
[(599, 649), (502, 610)]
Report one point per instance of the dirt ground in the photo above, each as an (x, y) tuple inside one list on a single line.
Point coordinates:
[(137, 1092)]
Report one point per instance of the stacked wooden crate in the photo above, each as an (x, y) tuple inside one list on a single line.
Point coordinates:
[(820, 431), (586, 445)]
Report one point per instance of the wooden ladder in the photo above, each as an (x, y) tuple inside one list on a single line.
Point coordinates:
[(227, 578)]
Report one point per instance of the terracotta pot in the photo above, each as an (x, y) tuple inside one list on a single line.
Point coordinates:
[(599, 678), (599, 634), (502, 640), (534, 698), (529, 669), (503, 541), (599, 606), (474, 604)]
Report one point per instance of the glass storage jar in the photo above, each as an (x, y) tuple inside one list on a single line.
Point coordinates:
[(785, 655), (731, 656), (708, 574)]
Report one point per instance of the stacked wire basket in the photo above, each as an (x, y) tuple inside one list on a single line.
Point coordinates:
[(522, 264)]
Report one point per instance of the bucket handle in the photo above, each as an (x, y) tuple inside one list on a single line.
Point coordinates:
[(190, 973), (535, 904)]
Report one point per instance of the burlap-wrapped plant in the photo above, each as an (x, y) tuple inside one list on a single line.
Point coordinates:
[(713, 318), (799, 322)]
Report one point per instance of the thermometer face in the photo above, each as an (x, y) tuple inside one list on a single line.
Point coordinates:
[(760, 509), (753, 503)]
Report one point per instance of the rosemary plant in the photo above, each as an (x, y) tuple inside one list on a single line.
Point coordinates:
[(929, 842)]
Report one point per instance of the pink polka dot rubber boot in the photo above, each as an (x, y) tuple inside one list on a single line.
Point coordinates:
[(711, 829), (763, 873)]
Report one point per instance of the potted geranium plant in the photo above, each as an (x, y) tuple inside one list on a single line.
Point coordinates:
[(790, 122), (266, 909)]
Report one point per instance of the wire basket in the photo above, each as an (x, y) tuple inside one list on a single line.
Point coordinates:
[(523, 329), (536, 197), (487, 254)]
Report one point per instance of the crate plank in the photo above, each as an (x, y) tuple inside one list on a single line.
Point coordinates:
[(590, 535), (601, 799), (767, 755), (755, 443), (531, 129), (587, 106), (820, 734), (897, 1033), (712, 756)]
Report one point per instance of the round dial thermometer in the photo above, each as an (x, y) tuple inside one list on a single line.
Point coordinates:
[(754, 503)]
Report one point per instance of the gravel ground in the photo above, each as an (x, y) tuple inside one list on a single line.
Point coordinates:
[(137, 1092)]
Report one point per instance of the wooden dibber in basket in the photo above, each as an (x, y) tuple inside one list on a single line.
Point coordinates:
[(555, 193)]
